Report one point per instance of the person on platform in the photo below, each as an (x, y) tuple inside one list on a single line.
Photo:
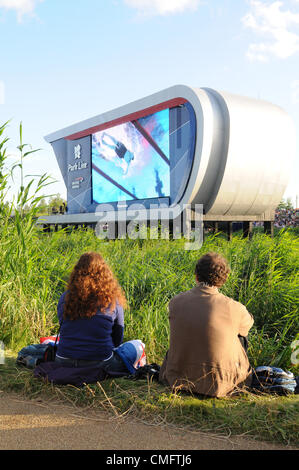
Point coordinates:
[(208, 335), (91, 317)]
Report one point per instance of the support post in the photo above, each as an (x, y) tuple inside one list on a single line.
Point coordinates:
[(269, 227), (247, 229), (215, 227), (203, 232), (229, 231), (116, 230), (171, 229)]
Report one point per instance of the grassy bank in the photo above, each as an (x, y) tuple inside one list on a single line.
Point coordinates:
[(259, 417), (263, 277)]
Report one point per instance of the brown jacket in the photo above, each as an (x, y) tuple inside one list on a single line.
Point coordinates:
[(205, 354)]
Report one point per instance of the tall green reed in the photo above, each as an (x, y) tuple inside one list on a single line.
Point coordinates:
[(20, 252)]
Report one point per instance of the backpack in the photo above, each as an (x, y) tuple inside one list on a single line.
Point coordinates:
[(50, 353), (147, 371), (35, 354), (268, 379)]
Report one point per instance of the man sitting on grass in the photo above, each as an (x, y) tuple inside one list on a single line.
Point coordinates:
[(207, 334)]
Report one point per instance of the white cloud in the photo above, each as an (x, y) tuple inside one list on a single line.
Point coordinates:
[(21, 7), (278, 28), (162, 7)]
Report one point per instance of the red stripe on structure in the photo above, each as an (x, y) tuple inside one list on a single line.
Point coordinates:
[(130, 117)]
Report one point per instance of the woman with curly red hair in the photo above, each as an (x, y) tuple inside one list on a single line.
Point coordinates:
[(91, 316)]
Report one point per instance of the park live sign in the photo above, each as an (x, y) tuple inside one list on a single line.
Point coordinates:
[(77, 165), (181, 146)]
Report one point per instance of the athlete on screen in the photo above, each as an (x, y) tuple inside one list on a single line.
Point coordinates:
[(111, 148)]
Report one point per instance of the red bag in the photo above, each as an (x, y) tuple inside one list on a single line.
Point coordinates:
[(49, 339)]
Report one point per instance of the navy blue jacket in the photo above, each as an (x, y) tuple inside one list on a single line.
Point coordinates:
[(90, 339)]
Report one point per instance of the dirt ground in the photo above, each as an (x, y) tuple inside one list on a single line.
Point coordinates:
[(36, 425)]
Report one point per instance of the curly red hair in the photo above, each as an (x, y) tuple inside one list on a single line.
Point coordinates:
[(91, 286)]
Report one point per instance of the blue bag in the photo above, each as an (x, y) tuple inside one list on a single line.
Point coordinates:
[(268, 379)]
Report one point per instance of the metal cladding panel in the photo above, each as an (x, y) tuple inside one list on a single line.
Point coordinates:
[(78, 175), (211, 151), (60, 150), (259, 157)]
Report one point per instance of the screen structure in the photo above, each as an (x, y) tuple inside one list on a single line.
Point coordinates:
[(149, 158)]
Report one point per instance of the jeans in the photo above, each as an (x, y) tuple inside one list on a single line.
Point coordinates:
[(113, 364)]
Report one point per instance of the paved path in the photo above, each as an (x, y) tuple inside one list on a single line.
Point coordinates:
[(37, 425)]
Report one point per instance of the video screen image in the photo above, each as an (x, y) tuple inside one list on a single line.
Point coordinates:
[(131, 161)]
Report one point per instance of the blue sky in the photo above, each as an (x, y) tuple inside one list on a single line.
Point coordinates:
[(63, 61)]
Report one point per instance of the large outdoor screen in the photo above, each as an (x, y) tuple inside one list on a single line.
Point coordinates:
[(131, 161)]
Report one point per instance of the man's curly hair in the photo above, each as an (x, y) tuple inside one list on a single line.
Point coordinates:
[(91, 287), (212, 269)]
